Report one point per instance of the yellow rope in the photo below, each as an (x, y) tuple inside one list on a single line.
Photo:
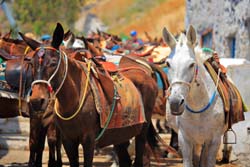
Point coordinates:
[(80, 106), (26, 50)]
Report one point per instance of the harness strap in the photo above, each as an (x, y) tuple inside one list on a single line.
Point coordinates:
[(12, 48), (20, 87)]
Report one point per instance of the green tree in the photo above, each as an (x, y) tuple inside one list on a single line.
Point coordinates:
[(41, 16)]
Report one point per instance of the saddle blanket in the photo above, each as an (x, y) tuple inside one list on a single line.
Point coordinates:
[(129, 108)]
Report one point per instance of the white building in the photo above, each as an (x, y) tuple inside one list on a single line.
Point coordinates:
[(223, 25)]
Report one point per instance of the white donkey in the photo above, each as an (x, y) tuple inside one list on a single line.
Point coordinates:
[(194, 107)]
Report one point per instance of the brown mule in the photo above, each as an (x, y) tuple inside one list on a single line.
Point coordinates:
[(80, 124), (14, 46), (16, 53)]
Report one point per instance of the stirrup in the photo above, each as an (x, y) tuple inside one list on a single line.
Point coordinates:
[(229, 134)]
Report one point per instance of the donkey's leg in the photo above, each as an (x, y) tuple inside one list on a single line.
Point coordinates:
[(174, 141), (204, 154), (32, 143), (71, 149), (197, 155), (140, 141), (40, 148), (32, 159), (209, 153), (36, 142), (51, 136), (187, 150), (58, 148), (123, 155), (88, 153)]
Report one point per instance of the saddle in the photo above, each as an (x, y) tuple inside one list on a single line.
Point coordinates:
[(232, 100), (7, 56), (15, 63), (112, 95), (102, 70), (17, 70)]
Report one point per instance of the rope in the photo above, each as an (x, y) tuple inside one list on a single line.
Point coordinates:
[(82, 101), (26, 50), (110, 115)]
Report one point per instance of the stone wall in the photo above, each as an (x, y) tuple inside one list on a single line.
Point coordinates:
[(240, 150), (226, 19), (238, 72)]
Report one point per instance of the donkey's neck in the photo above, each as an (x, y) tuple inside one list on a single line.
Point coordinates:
[(71, 91)]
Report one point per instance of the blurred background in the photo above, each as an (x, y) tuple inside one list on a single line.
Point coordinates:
[(223, 25), (83, 16)]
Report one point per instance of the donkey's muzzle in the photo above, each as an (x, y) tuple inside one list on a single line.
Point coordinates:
[(176, 105), (39, 104)]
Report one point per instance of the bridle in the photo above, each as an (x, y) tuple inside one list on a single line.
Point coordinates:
[(62, 56), (182, 82)]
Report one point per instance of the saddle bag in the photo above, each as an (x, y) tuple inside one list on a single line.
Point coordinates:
[(13, 73)]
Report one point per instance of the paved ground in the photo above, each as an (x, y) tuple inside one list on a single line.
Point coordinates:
[(19, 158), (16, 140), (15, 158)]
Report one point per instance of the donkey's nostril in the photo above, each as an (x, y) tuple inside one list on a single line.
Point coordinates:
[(42, 101), (182, 102), (38, 104)]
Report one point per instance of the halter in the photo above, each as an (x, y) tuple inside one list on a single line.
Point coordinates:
[(48, 82), (181, 82)]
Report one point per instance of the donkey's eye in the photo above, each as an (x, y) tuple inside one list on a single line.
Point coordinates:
[(168, 64), (53, 62), (191, 65)]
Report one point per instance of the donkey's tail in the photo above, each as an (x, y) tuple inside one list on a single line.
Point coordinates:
[(154, 141)]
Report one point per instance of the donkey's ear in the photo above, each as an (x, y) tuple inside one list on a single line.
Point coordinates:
[(31, 42), (7, 35), (191, 36), (57, 36), (85, 42), (168, 38)]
